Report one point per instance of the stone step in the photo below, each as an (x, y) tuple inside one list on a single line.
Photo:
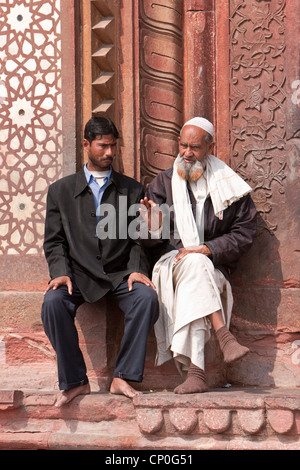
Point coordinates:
[(222, 419)]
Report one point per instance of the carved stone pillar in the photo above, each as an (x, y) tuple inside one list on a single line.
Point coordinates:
[(176, 75), (161, 82), (199, 64)]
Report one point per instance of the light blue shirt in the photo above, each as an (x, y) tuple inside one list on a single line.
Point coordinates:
[(97, 190)]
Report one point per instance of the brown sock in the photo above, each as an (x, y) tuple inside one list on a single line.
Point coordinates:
[(231, 349), (194, 383)]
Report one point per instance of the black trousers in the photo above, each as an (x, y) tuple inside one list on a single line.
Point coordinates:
[(140, 307)]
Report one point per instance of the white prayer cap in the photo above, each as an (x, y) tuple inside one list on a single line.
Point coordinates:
[(202, 123)]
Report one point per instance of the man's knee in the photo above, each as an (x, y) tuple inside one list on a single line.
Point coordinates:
[(53, 297), (50, 305), (55, 302), (148, 300), (149, 296), (196, 261)]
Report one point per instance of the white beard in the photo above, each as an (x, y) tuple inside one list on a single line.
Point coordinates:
[(191, 171)]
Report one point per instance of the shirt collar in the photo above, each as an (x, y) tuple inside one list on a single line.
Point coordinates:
[(81, 181), (90, 177)]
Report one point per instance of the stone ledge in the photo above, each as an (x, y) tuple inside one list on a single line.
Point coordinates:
[(220, 419), (10, 399), (239, 411)]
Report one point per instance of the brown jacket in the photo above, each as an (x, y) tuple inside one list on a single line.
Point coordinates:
[(227, 239)]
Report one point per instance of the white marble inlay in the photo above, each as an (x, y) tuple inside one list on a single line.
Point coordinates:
[(30, 118), (19, 18)]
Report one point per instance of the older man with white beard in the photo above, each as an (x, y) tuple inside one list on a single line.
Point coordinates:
[(196, 246)]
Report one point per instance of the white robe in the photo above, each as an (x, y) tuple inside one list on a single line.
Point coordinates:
[(188, 292), (192, 289)]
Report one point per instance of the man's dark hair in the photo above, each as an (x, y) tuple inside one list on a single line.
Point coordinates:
[(98, 126)]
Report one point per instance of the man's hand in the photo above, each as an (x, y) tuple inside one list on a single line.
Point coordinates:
[(138, 277), (60, 281), (151, 214), (203, 249)]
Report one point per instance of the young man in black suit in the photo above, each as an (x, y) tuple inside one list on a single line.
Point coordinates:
[(86, 262)]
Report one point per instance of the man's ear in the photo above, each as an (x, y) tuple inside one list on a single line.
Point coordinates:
[(211, 148), (85, 144)]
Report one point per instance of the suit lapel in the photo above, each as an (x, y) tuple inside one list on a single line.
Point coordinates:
[(80, 182)]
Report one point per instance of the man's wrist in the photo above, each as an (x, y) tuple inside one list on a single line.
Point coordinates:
[(205, 250)]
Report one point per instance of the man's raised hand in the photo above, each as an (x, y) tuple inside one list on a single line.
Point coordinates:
[(151, 214)]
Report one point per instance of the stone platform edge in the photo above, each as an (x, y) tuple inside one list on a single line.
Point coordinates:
[(222, 419)]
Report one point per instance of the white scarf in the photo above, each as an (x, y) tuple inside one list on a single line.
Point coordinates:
[(224, 186)]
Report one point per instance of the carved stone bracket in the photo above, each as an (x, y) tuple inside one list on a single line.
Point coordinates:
[(104, 60)]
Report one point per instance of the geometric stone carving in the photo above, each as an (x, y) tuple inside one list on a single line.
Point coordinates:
[(30, 119)]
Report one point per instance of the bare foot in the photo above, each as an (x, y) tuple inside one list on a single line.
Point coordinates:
[(66, 396), (121, 387)]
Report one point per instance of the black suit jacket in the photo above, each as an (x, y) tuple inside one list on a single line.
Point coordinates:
[(72, 247)]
